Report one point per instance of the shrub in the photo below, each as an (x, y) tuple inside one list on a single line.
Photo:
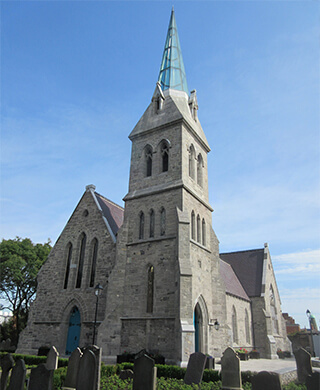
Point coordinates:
[(31, 360)]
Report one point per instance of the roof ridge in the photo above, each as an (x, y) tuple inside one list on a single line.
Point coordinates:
[(245, 250), (115, 204)]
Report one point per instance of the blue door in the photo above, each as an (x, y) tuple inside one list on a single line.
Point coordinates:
[(73, 331)]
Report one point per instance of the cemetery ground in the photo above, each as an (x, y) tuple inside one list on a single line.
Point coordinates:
[(168, 377)]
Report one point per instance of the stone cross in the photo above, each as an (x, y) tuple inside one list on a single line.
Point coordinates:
[(7, 363), (87, 376), (195, 368), (52, 359), (230, 370), (18, 376), (73, 368), (303, 361), (41, 378), (265, 380), (145, 374)]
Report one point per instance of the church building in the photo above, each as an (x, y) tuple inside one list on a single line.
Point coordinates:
[(166, 287)]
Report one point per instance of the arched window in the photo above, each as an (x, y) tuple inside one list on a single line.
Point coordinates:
[(148, 157), (273, 310), (200, 170), (151, 223), (192, 156), (246, 322), (69, 255), (203, 232), (193, 227), (234, 325), (141, 226), (81, 260), (162, 221), (165, 156), (94, 261), (198, 229), (150, 289)]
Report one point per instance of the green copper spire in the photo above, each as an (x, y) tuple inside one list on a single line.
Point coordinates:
[(172, 74)]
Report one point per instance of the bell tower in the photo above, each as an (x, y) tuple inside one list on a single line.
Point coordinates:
[(167, 252)]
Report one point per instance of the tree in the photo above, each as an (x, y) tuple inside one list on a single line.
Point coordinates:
[(20, 262)]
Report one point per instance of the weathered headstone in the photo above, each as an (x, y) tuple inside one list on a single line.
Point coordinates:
[(73, 368), (313, 381), (126, 374), (98, 354), (230, 370), (18, 376), (41, 378), (303, 361), (7, 363), (52, 359), (195, 368), (265, 380), (145, 374), (87, 376)]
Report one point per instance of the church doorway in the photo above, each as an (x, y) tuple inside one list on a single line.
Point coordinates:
[(73, 331), (198, 329)]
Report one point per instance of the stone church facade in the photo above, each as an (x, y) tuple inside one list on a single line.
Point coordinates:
[(166, 288)]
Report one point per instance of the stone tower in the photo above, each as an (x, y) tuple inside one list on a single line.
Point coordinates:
[(166, 286)]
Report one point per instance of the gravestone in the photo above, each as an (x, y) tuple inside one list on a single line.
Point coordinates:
[(87, 376), (126, 374), (98, 354), (145, 374), (41, 378), (52, 359), (265, 380), (73, 368), (18, 376), (230, 370), (313, 381), (7, 363), (195, 368), (303, 361)]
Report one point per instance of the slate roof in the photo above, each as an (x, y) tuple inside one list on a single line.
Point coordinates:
[(233, 286), (112, 212), (248, 267)]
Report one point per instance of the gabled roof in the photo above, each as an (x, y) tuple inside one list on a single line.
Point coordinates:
[(112, 212), (248, 266), (233, 286)]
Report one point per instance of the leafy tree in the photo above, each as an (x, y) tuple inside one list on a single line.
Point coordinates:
[(20, 261)]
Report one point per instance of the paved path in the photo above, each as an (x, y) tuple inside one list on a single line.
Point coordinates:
[(265, 365)]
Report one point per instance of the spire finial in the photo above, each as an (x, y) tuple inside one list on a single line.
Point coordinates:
[(172, 74)]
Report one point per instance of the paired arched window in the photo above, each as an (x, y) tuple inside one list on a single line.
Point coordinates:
[(150, 289), (193, 227), (246, 322), (162, 221), (234, 325), (200, 170), (165, 156), (81, 259), (203, 232), (141, 226), (192, 157), (151, 223), (94, 261), (69, 255), (148, 160)]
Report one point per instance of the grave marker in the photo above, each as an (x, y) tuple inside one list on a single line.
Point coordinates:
[(303, 361), (87, 377), (195, 368), (73, 368), (41, 378), (18, 376), (52, 359), (7, 363), (265, 380), (230, 370), (145, 374)]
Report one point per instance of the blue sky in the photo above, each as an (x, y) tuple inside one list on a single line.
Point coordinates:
[(77, 75)]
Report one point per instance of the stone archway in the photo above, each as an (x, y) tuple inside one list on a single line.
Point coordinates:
[(200, 322)]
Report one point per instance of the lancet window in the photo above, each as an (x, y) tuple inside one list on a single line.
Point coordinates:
[(81, 259), (193, 227), (204, 232), (141, 226), (192, 157), (200, 170), (247, 328), (148, 160), (165, 156), (151, 224), (162, 221), (234, 325), (198, 229), (150, 289), (69, 255), (94, 261)]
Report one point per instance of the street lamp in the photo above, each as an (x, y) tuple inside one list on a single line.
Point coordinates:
[(216, 325), (97, 292)]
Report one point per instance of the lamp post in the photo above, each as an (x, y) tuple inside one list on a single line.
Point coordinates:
[(216, 325), (97, 292)]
